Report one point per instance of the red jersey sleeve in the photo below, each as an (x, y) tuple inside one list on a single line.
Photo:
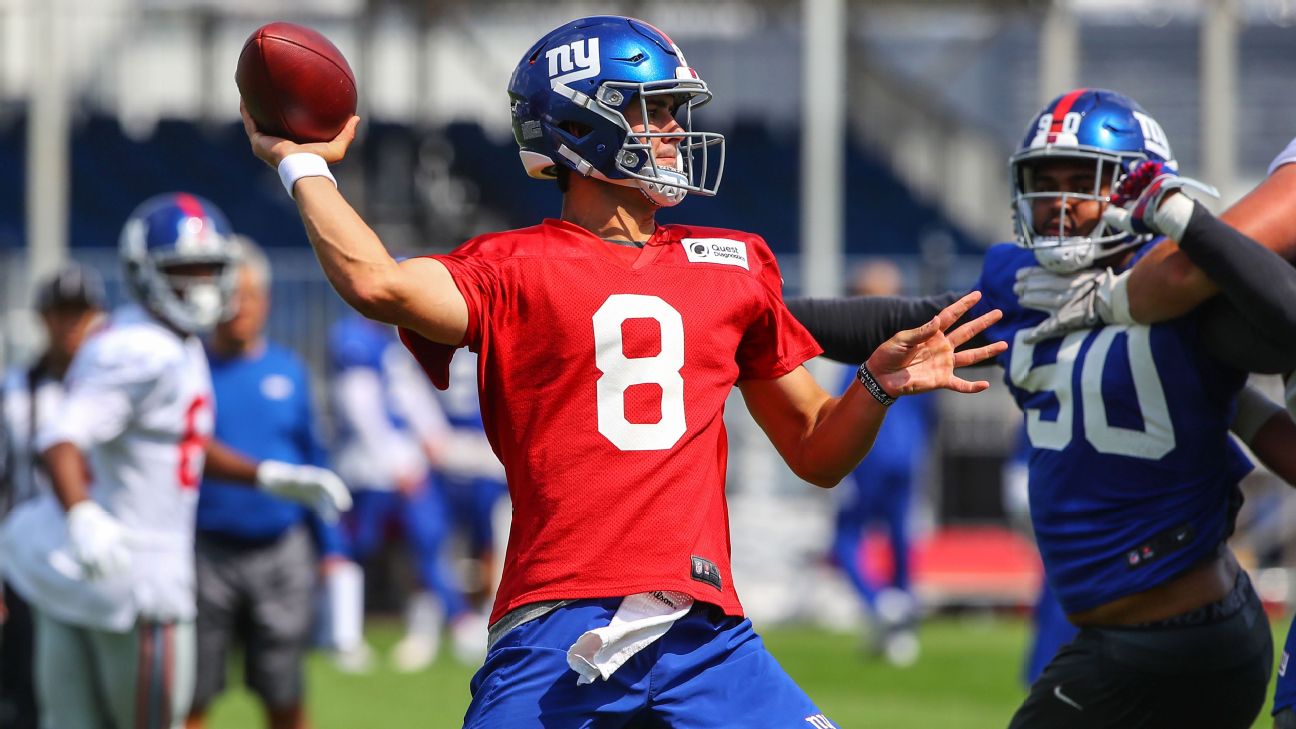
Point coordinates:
[(476, 275), (775, 343)]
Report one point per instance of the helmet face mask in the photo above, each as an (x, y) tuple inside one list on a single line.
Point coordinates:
[(586, 75), (667, 186), (1064, 226), (1084, 127), (179, 261)]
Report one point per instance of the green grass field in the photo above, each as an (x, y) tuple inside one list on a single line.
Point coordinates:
[(965, 679)]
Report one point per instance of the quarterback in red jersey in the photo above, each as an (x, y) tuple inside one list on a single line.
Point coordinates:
[(607, 347), (615, 445)]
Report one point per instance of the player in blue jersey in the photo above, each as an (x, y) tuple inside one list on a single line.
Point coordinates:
[(255, 560), (470, 473), (1177, 277), (1266, 427), (390, 428), (1133, 478), (879, 494), (1132, 473)]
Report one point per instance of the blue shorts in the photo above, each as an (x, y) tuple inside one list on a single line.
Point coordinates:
[(709, 671)]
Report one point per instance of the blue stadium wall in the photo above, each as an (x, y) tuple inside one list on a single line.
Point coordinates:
[(112, 172)]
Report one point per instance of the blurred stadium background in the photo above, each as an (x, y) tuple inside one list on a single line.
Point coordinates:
[(858, 129)]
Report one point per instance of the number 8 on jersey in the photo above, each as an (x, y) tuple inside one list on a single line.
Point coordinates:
[(620, 372)]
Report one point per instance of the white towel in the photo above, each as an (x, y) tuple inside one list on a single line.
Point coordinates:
[(641, 619)]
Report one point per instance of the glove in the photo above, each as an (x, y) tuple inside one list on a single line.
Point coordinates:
[(98, 541), (1041, 289), (1074, 301), (318, 488), (1144, 202)]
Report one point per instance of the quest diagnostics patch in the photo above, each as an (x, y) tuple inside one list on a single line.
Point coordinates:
[(716, 250)]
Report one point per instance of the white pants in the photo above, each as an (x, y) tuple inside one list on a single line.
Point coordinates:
[(93, 679)]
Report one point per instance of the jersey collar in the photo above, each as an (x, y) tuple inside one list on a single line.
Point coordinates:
[(660, 238)]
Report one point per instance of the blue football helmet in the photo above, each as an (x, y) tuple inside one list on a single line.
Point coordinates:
[(570, 94), (1103, 127), (179, 258)]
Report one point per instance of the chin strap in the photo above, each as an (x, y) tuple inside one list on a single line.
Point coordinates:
[(662, 194)]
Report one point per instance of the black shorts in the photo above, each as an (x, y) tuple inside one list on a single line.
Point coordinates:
[(1208, 669), (17, 694), (263, 597)]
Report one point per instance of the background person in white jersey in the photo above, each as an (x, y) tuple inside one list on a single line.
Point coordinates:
[(112, 581)]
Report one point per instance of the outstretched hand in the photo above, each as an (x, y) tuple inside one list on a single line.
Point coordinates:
[(924, 359), (271, 149)]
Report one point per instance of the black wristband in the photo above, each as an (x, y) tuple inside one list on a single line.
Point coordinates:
[(874, 388)]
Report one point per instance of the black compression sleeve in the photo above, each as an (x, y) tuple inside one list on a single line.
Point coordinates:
[(1253, 325), (1237, 341), (850, 329), (1259, 282)]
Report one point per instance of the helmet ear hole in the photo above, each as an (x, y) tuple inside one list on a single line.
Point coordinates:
[(576, 129)]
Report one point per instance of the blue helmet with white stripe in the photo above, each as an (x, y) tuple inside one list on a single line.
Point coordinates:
[(1104, 128), (179, 258), (570, 94)]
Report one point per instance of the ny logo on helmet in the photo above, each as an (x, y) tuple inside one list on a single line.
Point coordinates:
[(1154, 137), (575, 61)]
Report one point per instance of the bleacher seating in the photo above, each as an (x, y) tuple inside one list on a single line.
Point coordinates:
[(13, 185), (758, 192), (112, 172)]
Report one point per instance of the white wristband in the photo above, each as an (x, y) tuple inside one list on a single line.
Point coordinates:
[(302, 164), (1172, 216), (1287, 155)]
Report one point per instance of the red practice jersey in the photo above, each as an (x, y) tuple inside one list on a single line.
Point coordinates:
[(603, 380)]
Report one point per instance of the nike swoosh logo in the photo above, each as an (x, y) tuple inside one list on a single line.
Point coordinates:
[(1057, 691)]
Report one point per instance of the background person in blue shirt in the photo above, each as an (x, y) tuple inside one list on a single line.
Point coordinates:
[(473, 477), (256, 556), (879, 494)]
